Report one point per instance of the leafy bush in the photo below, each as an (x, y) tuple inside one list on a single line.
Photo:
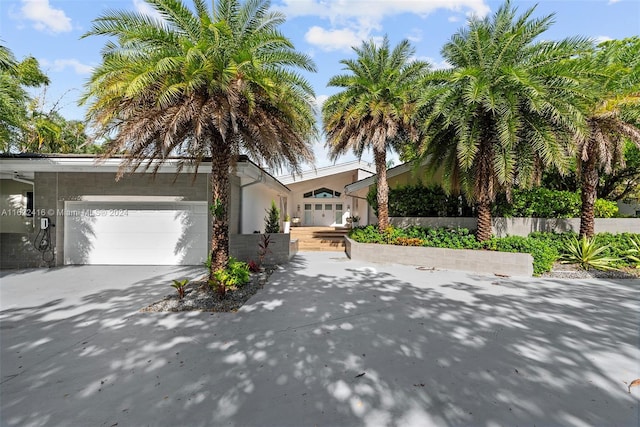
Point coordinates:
[(230, 278), (587, 253), (544, 203), (605, 209), (420, 201), (633, 254), (617, 246)]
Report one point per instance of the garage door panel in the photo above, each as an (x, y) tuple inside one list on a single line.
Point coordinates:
[(136, 233)]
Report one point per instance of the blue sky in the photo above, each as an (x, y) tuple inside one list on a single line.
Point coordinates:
[(50, 30)]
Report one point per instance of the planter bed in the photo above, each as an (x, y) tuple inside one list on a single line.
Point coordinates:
[(477, 261)]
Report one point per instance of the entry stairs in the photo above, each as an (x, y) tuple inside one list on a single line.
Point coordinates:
[(320, 238)]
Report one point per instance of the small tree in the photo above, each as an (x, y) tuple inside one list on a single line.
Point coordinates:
[(272, 220)]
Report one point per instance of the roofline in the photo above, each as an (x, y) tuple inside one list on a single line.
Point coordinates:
[(370, 180), (326, 171), (33, 162)]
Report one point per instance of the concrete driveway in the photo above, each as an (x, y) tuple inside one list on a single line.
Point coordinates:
[(328, 342)]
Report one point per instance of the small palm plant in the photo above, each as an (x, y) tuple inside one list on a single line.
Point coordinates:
[(587, 253), (633, 254), (180, 286)]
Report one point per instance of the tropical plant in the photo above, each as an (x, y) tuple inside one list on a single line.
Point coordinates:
[(506, 108), (375, 107), (235, 274), (586, 252), (633, 254), (612, 119), (15, 77), (180, 286), (202, 83), (272, 220), (263, 247)]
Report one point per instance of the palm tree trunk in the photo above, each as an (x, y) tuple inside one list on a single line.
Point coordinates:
[(588, 193), (484, 221), (220, 190), (383, 189)]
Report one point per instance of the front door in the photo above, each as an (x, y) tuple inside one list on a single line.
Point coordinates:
[(323, 214)]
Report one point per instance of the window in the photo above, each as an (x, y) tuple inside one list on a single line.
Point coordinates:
[(322, 193), (318, 207), (29, 211), (328, 207)]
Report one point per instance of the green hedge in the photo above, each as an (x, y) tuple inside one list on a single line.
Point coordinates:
[(544, 203), (420, 201)]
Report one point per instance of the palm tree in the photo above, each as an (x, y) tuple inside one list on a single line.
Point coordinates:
[(505, 109), (612, 120), (374, 109), (202, 83)]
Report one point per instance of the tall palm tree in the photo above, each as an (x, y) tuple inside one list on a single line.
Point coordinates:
[(504, 110), (612, 120), (202, 83), (375, 108)]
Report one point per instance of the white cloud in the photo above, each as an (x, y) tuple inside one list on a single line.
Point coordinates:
[(59, 65), (613, 1), (453, 18), (351, 21), (45, 17), (415, 35), (320, 100), (145, 9), (602, 39), (329, 40), (375, 10)]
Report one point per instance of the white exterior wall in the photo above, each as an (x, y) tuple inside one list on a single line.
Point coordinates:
[(13, 204), (255, 199)]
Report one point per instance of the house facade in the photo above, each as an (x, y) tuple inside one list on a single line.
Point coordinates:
[(60, 210), (318, 197)]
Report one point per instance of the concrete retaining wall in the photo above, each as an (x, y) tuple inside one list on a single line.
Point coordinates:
[(245, 247), (523, 226), (477, 261)]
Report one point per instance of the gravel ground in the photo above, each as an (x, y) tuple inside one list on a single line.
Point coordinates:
[(200, 297), (573, 271)]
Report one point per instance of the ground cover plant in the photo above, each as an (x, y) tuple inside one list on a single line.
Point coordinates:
[(545, 248)]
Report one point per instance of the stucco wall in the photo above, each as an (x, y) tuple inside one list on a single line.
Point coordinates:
[(255, 199), (245, 247), (488, 262)]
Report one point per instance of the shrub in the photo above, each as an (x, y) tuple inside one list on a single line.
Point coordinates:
[(588, 253), (617, 247), (605, 209), (541, 202), (633, 254), (420, 201), (272, 220), (230, 278)]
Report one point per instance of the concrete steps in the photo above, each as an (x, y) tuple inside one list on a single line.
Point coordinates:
[(319, 238)]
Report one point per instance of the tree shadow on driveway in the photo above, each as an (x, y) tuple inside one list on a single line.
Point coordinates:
[(330, 341)]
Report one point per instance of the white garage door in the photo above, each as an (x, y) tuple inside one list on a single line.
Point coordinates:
[(166, 233)]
